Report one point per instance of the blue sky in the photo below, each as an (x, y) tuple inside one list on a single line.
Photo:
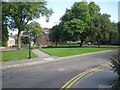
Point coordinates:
[(59, 7)]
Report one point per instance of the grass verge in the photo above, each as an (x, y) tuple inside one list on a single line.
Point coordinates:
[(16, 55), (75, 50)]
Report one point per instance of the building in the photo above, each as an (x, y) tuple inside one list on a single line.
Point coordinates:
[(11, 42), (44, 41), (46, 31)]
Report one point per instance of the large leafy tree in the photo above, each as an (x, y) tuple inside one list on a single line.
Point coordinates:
[(20, 13), (101, 28), (113, 34), (76, 21), (55, 34)]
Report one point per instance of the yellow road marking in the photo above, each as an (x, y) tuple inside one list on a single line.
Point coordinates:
[(79, 76)]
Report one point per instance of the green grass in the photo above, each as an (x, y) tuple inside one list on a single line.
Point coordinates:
[(16, 55), (75, 50)]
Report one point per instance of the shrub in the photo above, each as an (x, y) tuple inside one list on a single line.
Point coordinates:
[(115, 60)]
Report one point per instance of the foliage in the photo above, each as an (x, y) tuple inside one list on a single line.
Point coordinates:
[(76, 21), (115, 60), (25, 40), (84, 21), (4, 30), (55, 34), (35, 30), (116, 85), (20, 13), (113, 34), (4, 35), (101, 27)]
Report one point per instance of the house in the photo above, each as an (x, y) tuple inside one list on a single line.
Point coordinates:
[(11, 42)]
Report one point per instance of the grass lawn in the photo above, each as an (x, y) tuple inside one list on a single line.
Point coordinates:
[(75, 50), (16, 55)]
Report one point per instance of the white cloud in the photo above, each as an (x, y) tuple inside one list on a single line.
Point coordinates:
[(54, 19)]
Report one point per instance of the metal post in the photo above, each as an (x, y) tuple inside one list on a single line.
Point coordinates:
[(29, 46)]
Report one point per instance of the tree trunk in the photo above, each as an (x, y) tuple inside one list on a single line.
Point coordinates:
[(34, 41), (55, 43), (18, 41), (81, 43), (98, 43)]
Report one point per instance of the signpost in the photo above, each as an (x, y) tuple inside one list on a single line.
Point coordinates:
[(29, 45)]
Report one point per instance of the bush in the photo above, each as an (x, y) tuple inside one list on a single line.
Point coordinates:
[(115, 60)]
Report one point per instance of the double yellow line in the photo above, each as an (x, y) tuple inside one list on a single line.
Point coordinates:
[(79, 76)]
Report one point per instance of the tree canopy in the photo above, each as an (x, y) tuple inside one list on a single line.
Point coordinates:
[(101, 28), (18, 14), (84, 21), (76, 21), (4, 30), (55, 34), (35, 29)]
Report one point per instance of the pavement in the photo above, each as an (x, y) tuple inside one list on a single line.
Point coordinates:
[(58, 72), (7, 48), (42, 58)]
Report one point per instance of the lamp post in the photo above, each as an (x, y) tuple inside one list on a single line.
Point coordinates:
[(29, 44)]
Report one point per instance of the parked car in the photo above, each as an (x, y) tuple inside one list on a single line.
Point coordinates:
[(89, 43)]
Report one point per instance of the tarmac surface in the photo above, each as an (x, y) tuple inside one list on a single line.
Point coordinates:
[(54, 72), (102, 78)]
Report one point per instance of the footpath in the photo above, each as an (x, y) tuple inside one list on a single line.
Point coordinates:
[(102, 78), (42, 58)]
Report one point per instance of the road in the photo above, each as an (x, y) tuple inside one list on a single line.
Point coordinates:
[(53, 74), (102, 78)]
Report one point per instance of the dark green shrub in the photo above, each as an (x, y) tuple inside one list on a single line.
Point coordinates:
[(115, 60)]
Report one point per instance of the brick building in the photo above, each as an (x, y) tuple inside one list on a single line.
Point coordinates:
[(44, 41)]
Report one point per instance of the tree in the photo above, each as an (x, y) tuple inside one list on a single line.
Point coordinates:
[(4, 29), (36, 30), (25, 40), (55, 34), (4, 35), (113, 34), (76, 21), (118, 25), (115, 60), (101, 27), (20, 13)]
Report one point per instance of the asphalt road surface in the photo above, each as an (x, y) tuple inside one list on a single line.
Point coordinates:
[(102, 78), (53, 74)]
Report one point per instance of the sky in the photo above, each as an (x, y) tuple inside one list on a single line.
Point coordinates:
[(59, 7)]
